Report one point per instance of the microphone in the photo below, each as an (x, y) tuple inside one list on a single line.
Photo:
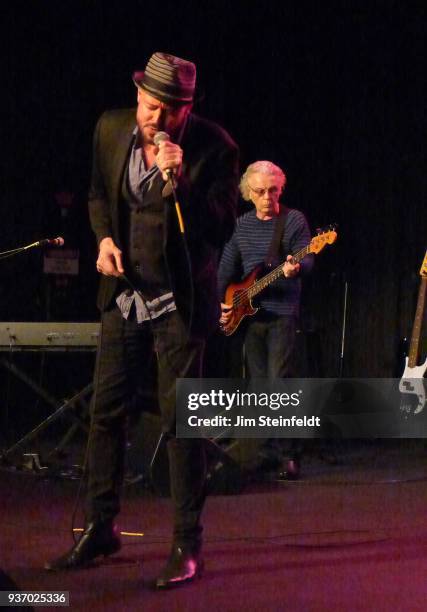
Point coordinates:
[(169, 188), (59, 242), (161, 137), (164, 137)]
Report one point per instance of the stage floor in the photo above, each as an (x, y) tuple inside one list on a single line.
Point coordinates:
[(346, 537)]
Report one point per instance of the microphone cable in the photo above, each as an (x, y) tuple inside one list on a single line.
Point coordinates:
[(92, 405), (182, 233), (95, 394), (160, 137), (186, 252)]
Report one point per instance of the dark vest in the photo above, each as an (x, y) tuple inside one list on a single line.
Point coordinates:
[(143, 238)]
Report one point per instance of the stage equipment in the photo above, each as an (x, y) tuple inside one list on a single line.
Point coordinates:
[(412, 384), (17, 337)]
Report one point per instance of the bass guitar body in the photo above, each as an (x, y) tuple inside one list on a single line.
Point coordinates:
[(412, 383), (237, 295), (412, 388)]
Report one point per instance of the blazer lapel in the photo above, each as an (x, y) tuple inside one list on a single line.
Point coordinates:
[(121, 150)]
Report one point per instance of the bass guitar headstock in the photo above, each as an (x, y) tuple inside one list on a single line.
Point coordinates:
[(324, 237)]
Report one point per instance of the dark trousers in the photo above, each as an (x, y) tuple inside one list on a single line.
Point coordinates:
[(269, 346), (269, 353), (124, 352)]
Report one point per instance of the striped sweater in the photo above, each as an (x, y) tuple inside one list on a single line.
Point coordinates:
[(249, 246)]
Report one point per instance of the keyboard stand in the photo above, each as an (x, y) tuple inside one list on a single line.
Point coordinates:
[(60, 410)]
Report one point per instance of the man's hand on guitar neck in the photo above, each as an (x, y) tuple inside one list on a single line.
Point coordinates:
[(290, 269)]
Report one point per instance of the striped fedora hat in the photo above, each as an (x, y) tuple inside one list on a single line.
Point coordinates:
[(168, 78)]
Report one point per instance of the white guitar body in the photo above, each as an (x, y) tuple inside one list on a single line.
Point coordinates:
[(412, 383)]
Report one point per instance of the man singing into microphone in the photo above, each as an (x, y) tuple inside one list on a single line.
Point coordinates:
[(172, 266)]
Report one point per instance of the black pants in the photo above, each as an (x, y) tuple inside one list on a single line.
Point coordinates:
[(124, 353), (269, 353), (269, 346)]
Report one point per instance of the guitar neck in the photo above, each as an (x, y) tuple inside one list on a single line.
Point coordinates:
[(416, 330), (266, 280)]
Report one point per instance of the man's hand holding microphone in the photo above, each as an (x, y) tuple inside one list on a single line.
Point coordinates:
[(169, 156)]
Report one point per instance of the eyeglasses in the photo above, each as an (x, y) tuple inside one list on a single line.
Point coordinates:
[(260, 191)]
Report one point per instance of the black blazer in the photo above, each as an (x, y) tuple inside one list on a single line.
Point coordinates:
[(207, 192)]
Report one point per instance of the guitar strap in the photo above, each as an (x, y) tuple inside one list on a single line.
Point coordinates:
[(273, 252)]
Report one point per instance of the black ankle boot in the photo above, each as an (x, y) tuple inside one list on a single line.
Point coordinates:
[(98, 538), (184, 565)]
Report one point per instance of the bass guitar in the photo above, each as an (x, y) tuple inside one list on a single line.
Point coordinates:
[(240, 295), (412, 384)]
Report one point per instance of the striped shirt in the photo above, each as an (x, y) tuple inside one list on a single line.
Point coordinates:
[(249, 246)]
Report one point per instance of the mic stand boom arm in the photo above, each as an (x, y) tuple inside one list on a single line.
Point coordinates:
[(40, 243)]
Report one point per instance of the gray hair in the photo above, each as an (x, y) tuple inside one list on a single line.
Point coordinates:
[(260, 167)]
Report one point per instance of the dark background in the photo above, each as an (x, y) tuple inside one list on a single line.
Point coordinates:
[(332, 92)]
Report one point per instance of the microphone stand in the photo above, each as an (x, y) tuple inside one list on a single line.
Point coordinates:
[(343, 330)]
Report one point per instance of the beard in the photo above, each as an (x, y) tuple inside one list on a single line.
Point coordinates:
[(148, 130)]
